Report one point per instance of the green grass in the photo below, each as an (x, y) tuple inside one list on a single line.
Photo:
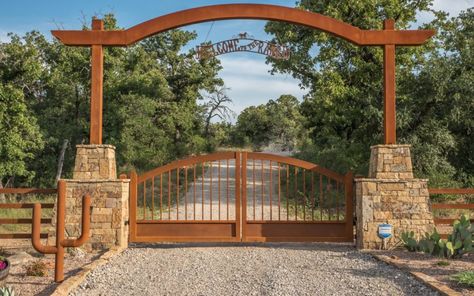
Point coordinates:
[(464, 278), (25, 213)]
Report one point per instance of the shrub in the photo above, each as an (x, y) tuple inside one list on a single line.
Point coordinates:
[(3, 263), (409, 241), (459, 242), (464, 278), (37, 268), (7, 291)]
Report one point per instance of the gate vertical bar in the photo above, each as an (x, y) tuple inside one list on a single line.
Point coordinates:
[(348, 184), (244, 195), (133, 205), (238, 188)]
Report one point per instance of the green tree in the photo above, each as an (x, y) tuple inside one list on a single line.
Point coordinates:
[(343, 108), (151, 94), (20, 83), (253, 127), (287, 122), (20, 137), (278, 124)]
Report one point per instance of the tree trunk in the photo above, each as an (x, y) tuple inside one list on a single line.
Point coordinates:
[(61, 160), (3, 199)]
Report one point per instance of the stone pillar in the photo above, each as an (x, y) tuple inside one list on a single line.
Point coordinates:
[(95, 173), (391, 195), (95, 162)]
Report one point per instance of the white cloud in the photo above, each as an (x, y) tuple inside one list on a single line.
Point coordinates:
[(251, 83), (453, 7)]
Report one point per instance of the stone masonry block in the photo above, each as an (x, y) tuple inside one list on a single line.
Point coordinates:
[(391, 195)]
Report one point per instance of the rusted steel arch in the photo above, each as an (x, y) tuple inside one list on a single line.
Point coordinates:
[(242, 11), (97, 38)]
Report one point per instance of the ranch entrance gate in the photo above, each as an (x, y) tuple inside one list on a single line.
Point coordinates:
[(241, 196)]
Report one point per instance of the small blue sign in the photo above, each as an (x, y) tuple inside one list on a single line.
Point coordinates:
[(385, 231)]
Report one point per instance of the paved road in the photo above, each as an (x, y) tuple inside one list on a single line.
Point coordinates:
[(256, 269)]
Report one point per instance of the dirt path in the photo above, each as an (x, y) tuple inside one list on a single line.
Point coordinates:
[(213, 195)]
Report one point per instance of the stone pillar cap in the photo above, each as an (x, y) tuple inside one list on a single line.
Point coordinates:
[(91, 146), (390, 146)]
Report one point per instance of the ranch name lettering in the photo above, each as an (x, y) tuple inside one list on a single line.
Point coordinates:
[(234, 45)]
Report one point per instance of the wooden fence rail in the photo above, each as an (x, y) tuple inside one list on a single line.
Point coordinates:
[(455, 206), (21, 206)]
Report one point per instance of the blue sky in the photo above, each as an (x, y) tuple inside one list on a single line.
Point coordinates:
[(245, 73)]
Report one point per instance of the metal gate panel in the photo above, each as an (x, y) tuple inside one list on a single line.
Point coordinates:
[(286, 199), (199, 200), (195, 199)]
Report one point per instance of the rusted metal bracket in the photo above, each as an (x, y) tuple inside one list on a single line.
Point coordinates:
[(61, 242)]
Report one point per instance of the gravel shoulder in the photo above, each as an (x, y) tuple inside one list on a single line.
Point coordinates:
[(21, 254), (248, 269), (420, 262)]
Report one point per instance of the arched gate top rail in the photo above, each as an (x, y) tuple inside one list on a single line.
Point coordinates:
[(242, 11), (186, 162)]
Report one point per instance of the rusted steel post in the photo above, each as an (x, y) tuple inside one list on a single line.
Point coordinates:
[(133, 205), (97, 73), (238, 188), (389, 106), (60, 225), (348, 187), (61, 243), (244, 194)]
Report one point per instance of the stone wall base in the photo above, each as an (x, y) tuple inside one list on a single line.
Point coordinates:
[(391, 195), (95, 173), (402, 203), (109, 212)]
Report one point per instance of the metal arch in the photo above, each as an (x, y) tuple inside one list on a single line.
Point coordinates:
[(388, 38), (242, 11)]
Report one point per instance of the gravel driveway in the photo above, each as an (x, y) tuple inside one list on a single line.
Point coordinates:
[(248, 269)]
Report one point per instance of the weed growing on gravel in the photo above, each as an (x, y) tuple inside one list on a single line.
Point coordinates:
[(464, 278), (442, 263), (36, 268)]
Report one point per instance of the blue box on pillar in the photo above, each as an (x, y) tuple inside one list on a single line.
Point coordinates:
[(385, 231)]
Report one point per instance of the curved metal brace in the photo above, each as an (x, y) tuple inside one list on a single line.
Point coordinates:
[(242, 11), (85, 228), (36, 231)]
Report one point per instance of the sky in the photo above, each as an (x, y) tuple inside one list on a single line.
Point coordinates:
[(246, 74)]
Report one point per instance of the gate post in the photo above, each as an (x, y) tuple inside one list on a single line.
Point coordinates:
[(95, 174), (238, 202), (349, 216), (391, 195), (243, 189), (133, 206)]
